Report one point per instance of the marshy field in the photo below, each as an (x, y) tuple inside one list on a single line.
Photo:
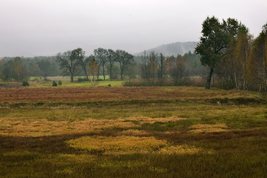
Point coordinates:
[(185, 132)]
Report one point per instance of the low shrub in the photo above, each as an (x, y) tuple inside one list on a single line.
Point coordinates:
[(25, 83), (54, 84), (59, 83)]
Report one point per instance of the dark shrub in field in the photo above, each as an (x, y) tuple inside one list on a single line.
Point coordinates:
[(54, 84), (25, 83), (59, 83)]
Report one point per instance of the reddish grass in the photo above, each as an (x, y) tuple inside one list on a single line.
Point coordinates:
[(110, 94)]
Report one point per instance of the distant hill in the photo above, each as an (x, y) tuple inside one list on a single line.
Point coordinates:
[(172, 49)]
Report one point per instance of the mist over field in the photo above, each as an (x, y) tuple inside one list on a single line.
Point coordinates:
[(43, 28)]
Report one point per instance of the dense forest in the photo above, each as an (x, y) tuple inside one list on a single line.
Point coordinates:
[(227, 56)]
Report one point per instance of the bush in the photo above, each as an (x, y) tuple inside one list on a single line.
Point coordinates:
[(59, 82), (54, 84), (25, 83)]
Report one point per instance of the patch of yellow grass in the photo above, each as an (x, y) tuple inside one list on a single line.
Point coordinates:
[(119, 145), (30, 128), (208, 128), (181, 149), (42, 127), (131, 144)]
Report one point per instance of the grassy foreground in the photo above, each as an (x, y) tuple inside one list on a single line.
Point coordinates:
[(132, 132)]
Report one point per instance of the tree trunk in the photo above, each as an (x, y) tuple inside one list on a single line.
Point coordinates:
[(86, 73), (121, 69), (161, 69), (71, 77), (208, 85), (103, 71), (236, 82), (98, 72), (110, 70)]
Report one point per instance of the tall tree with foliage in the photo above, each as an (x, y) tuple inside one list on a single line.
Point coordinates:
[(44, 66), (258, 62), (153, 67), (241, 56), (211, 46), (124, 59), (231, 67), (111, 56), (217, 43), (14, 69), (162, 60), (79, 56), (178, 69), (68, 63), (93, 67), (102, 56)]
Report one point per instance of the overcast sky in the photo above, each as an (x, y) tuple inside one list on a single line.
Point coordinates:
[(46, 27)]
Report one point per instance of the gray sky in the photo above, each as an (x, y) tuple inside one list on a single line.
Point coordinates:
[(46, 27)]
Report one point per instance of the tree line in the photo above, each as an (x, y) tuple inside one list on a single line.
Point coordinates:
[(104, 62), (150, 67), (231, 53), (158, 69), (20, 68), (94, 65)]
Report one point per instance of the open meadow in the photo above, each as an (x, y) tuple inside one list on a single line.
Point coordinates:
[(132, 132)]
